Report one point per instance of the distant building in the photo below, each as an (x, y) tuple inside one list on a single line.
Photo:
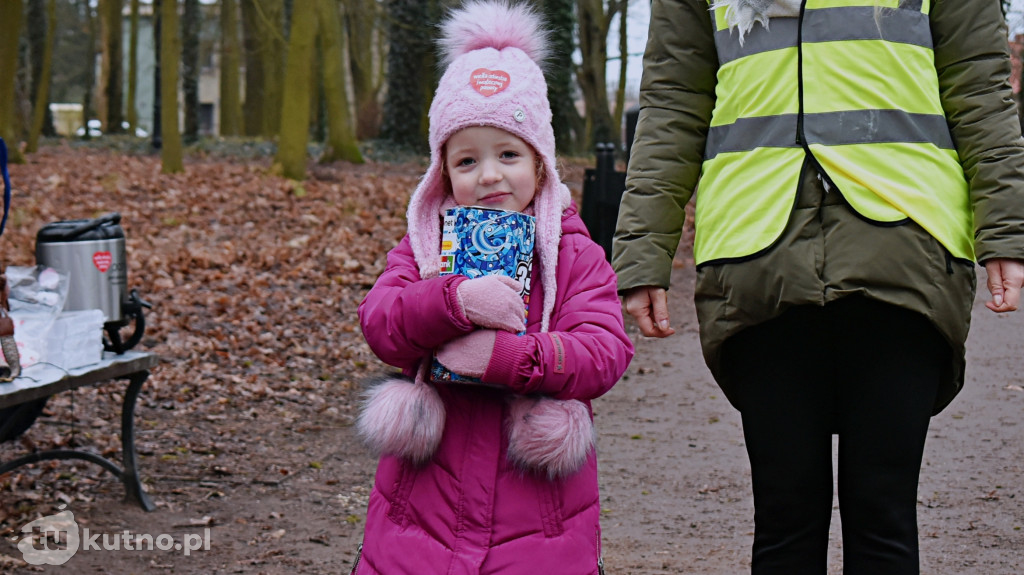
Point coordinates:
[(209, 73)]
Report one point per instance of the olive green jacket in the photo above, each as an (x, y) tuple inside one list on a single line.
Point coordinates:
[(827, 251)]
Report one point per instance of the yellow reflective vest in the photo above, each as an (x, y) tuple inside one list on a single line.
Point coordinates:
[(850, 85)]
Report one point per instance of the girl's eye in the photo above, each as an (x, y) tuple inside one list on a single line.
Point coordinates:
[(465, 162), (507, 155)]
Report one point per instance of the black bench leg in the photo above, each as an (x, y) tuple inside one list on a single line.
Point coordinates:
[(130, 475)]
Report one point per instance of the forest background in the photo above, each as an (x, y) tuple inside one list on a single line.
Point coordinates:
[(339, 73)]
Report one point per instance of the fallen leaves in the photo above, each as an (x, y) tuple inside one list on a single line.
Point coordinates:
[(254, 282), (251, 282)]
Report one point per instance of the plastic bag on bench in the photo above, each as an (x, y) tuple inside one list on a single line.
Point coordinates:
[(37, 298)]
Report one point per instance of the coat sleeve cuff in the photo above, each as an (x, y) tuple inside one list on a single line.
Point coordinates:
[(457, 313), (509, 350)]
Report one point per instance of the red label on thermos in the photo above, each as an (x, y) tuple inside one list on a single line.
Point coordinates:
[(102, 261)]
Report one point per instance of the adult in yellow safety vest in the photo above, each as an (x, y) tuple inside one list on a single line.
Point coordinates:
[(855, 158)]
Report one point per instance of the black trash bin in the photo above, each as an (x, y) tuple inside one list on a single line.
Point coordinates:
[(603, 187), (602, 191), (632, 116)]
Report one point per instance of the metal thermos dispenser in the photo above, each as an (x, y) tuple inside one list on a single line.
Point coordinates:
[(92, 253)]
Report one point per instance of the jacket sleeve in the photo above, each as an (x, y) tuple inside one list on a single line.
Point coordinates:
[(586, 350), (973, 65), (677, 96), (403, 317)]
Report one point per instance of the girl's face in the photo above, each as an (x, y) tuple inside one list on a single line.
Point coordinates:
[(491, 168)]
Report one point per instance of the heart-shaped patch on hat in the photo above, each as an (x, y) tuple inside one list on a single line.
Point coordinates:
[(489, 82)]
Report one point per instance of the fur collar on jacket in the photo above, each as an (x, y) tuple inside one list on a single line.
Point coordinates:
[(741, 14)]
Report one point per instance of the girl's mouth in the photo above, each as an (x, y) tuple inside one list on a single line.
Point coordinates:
[(495, 197)]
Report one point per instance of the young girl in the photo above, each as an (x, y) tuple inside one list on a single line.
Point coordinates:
[(855, 158), (499, 477)]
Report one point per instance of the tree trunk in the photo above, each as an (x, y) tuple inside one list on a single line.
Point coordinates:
[(291, 148), (157, 136), (170, 54), (23, 92), (190, 22), (620, 92), (566, 120), (593, 35), (132, 112), (410, 62), (42, 89), (10, 15), (40, 40), (230, 108), (264, 65), (90, 66), (365, 61), (317, 96), (113, 54), (341, 142), (272, 50), (252, 109)]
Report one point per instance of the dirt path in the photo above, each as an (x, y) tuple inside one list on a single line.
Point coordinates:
[(288, 494), (676, 478)]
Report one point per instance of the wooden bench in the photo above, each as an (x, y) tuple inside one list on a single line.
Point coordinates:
[(41, 380)]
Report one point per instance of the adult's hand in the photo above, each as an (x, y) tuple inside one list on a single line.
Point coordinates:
[(649, 307), (1005, 277)]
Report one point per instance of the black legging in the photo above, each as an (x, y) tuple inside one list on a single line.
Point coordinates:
[(867, 371)]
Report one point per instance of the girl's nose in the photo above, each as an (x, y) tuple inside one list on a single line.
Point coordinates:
[(489, 173)]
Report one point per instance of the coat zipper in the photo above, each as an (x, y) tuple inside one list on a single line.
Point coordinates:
[(800, 78), (359, 555), (801, 138)]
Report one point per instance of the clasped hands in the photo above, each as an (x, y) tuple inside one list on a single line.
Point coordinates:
[(493, 303)]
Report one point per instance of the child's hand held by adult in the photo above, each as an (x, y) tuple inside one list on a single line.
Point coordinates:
[(493, 302), (470, 354), (1005, 277)]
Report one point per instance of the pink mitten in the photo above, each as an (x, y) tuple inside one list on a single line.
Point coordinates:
[(468, 355), (493, 302)]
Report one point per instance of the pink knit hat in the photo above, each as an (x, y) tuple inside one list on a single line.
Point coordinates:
[(492, 50)]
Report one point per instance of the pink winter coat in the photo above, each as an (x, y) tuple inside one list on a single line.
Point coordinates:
[(469, 511)]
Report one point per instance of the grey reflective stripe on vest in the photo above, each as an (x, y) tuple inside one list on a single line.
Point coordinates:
[(746, 134), (830, 128), (782, 34), (828, 25), (877, 127), (862, 23)]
